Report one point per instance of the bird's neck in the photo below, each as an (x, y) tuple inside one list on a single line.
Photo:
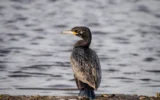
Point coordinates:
[(83, 43)]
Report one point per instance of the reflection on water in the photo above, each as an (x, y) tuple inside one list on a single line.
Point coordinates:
[(34, 56)]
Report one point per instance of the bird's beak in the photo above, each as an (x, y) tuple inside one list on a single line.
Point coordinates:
[(69, 32)]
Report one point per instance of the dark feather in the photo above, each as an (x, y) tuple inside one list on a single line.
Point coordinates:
[(86, 66)]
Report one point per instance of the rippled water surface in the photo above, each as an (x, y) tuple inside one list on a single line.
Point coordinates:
[(34, 56)]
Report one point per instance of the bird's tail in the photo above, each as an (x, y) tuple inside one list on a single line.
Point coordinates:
[(87, 92)]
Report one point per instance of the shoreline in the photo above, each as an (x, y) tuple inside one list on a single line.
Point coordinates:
[(100, 97)]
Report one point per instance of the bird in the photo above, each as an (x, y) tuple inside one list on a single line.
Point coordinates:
[(85, 63)]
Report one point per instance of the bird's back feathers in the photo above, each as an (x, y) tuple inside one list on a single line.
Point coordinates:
[(86, 66)]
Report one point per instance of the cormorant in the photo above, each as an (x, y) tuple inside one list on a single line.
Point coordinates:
[(85, 63)]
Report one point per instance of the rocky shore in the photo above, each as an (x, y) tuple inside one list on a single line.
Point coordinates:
[(100, 97)]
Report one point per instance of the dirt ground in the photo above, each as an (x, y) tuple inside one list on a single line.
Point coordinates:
[(101, 97)]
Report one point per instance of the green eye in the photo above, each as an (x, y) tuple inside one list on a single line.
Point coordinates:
[(76, 31)]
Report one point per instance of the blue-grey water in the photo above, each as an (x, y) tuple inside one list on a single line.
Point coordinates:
[(34, 55)]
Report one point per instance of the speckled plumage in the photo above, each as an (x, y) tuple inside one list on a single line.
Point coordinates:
[(86, 67), (85, 63)]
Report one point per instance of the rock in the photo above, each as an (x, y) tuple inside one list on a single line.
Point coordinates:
[(157, 94)]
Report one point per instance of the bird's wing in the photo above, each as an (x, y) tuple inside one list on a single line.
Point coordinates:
[(86, 67)]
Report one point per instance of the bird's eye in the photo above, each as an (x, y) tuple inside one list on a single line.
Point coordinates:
[(76, 31)]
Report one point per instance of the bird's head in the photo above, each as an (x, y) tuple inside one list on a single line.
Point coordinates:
[(80, 31)]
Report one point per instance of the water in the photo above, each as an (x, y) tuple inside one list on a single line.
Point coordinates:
[(34, 56)]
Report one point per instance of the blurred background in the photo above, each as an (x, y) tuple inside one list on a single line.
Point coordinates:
[(34, 55)]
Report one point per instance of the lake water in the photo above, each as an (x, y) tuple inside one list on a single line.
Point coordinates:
[(34, 55)]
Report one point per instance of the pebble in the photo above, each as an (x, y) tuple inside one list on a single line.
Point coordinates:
[(142, 98)]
